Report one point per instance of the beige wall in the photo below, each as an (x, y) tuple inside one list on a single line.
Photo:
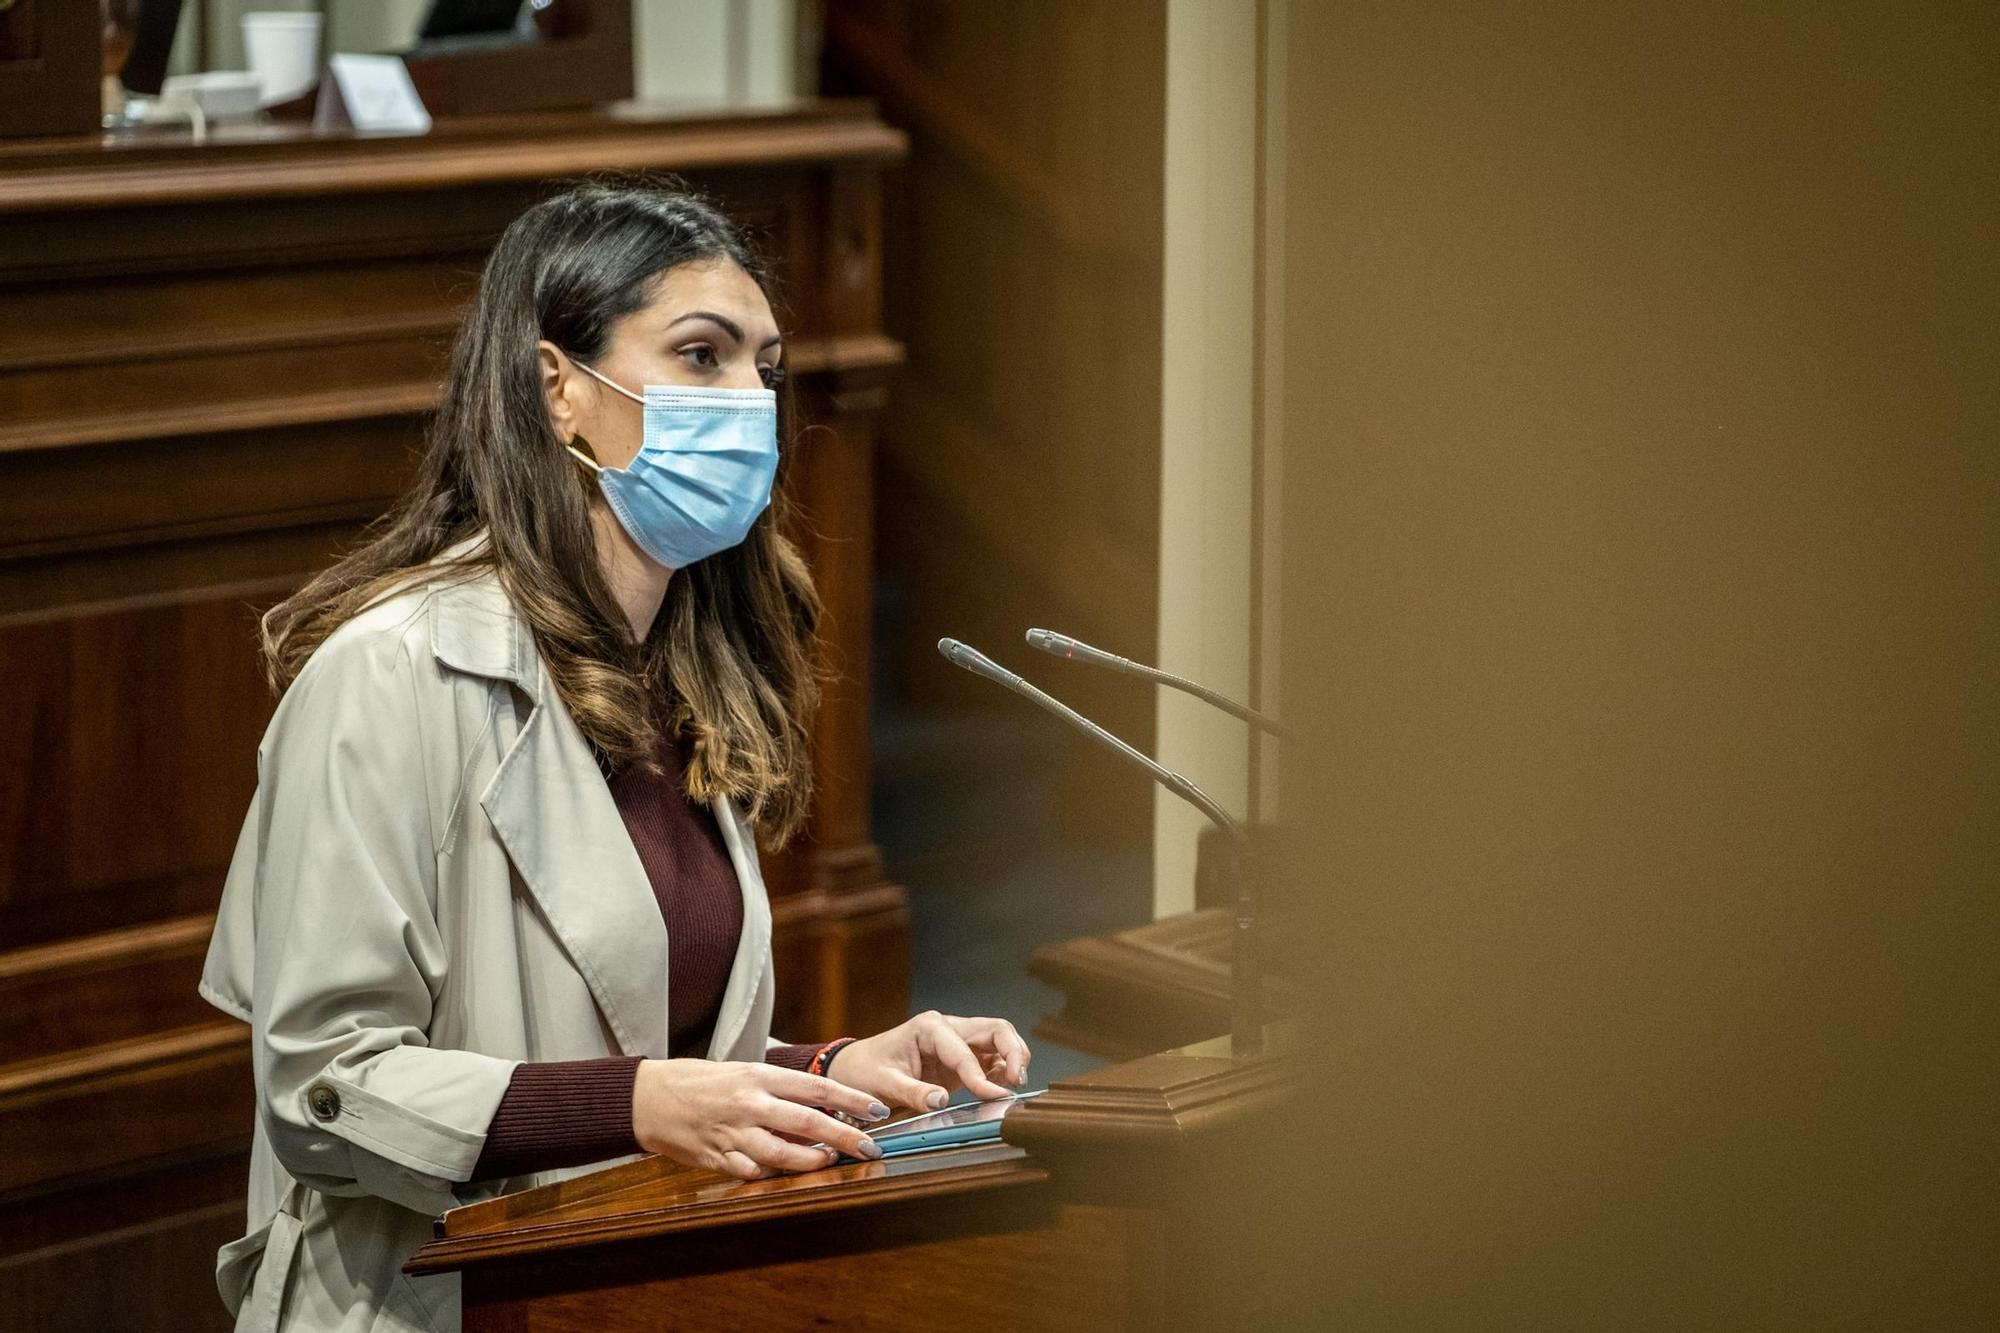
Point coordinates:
[(1208, 387), (1643, 560), (701, 50), (351, 25)]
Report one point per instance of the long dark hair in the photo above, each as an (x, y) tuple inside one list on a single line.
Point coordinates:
[(728, 664)]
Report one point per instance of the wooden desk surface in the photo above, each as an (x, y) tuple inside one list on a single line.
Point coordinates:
[(656, 1197), (166, 164), (1115, 1202)]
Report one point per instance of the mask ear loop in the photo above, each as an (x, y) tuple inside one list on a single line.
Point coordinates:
[(580, 457), (608, 383)]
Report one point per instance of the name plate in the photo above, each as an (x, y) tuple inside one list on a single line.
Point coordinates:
[(371, 93)]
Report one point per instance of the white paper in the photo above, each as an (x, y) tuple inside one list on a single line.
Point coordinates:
[(371, 93)]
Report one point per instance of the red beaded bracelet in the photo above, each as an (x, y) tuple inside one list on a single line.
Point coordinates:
[(823, 1057)]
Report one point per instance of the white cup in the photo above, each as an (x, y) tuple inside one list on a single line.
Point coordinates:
[(283, 52)]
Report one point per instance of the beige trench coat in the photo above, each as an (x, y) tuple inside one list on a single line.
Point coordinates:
[(432, 885)]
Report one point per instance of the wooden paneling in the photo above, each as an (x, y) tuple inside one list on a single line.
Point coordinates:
[(75, 994), (1165, 983), (936, 1264), (124, 1105), (133, 1253), (136, 735), (972, 1237), (18, 38), (50, 53), (215, 364), (64, 501), (843, 955), (1020, 454)]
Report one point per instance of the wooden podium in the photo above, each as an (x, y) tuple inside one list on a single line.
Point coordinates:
[(1119, 1199)]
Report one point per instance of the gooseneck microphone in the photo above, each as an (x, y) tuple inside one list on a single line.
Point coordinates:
[(1062, 645), (979, 664), (1246, 980)]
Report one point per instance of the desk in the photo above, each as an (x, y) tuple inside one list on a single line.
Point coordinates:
[(1120, 1199)]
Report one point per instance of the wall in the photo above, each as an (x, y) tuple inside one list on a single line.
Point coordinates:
[(698, 50), (1208, 382), (1645, 555), (213, 29)]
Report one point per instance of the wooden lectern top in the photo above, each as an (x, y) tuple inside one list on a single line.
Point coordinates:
[(658, 1197), (1113, 1202)]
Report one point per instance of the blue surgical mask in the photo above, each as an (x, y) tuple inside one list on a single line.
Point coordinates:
[(703, 472)]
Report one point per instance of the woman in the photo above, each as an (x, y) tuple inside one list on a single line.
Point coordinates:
[(495, 910)]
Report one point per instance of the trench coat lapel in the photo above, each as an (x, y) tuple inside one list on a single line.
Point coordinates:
[(554, 813), (552, 810), (753, 946)]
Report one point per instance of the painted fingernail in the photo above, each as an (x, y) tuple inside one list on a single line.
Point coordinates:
[(937, 1099), (877, 1111), (871, 1150)]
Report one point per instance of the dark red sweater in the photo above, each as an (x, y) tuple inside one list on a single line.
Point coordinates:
[(569, 1112)]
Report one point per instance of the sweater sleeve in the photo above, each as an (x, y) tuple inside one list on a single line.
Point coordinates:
[(561, 1113), (792, 1057)]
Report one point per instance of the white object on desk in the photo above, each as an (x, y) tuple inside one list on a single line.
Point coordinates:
[(221, 94), (370, 93), (282, 50)]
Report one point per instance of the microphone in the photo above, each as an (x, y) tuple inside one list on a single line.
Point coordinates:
[(979, 664), (1246, 977), (1062, 645)]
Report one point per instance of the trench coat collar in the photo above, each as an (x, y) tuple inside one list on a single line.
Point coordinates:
[(554, 813), (475, 628)]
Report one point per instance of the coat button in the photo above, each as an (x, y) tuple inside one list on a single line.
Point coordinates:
[(325, 1102)]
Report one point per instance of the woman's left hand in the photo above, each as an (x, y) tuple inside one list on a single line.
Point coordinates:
[(920, 1063)]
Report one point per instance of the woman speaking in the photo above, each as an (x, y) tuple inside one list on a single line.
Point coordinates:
[(495, 910)]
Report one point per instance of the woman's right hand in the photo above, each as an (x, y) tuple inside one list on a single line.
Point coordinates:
[(746, 1120)]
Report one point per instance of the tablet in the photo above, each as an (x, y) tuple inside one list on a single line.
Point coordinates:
[(955, 1126)]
